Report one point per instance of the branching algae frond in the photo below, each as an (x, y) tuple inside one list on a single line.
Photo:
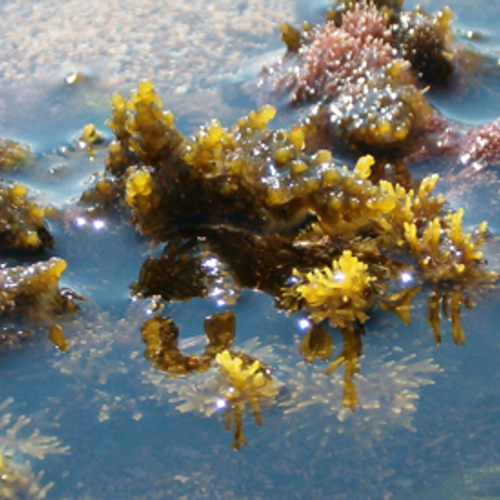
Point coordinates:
[(247, 381), (234, 380), (17, 479), (341, 294), (142, 128)]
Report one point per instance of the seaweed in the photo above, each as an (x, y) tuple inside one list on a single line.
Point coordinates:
[(426, 41), (33, 291), (247, 381), (289, 220), (361, 80), (162, 349), (14, 155), (22, 221), (240, 380), (358, 69), (250, 206)]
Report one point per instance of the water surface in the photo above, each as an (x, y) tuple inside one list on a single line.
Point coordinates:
[(427, 425)]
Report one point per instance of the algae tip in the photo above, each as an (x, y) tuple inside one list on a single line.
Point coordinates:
[(57, 337)]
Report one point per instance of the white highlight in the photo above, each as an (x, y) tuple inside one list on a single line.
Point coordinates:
[(339, 276), (220, 404), (98, 224), (406, 278), (304, 324)]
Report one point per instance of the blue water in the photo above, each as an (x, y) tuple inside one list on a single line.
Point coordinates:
[(429, 414)]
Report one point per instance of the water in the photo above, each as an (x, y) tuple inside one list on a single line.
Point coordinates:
[(429, 415)]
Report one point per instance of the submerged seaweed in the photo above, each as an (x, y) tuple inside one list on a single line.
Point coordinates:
[(234, 382), (240, 381), (17, 479), (388, 390)]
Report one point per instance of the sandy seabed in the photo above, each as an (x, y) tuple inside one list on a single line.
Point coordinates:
[(180, 45)]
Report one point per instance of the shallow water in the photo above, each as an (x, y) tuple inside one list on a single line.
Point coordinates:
[(427, 425)]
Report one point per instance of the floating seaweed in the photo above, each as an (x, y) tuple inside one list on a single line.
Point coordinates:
[(234, 380), (318, 236), (34, 290)]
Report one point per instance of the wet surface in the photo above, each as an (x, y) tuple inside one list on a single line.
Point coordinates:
[(428, 416)]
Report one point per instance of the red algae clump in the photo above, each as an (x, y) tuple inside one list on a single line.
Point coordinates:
[(358, 70), (363, 77)]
